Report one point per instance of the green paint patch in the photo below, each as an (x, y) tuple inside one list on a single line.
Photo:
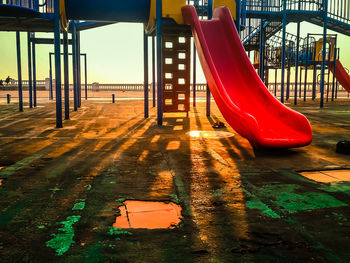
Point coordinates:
[(116, 231), (285, 196), (62, 241), (337, 187), (8, 171), (89, 187), (255, 203), (79, 206), (41, 227)]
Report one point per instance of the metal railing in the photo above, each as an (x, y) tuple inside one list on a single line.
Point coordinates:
[(43, 6)]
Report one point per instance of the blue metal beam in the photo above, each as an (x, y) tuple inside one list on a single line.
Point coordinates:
[(19, 71), (30, 79), (145, 72), (34, 74), (323, 65), (79, 69), (66, 75), (297, 66), (159, 63), (283, 49), (58, 65), (154, 71), (74, 54)]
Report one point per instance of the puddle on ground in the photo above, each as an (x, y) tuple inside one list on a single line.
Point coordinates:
[(148, 214), (328, 176), (210, 134)]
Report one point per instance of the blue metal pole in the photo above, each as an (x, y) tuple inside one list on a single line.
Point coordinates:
[(79, 69), (30, 83), (210, 15), (66, 75), (8, 98), (57, 45), (194, 74), (238, 15), (50, 73), (74, 55), (323, 66), (334, 68), (154, 71), (306, 67), (19, 70), (283, 48), (159, 63), (297, 66), (86, 80), (34, 73), (145, 73), (262, 51)]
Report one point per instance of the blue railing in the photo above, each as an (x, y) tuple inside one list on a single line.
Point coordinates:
[(277, 5), (43, 6), (339, 10)]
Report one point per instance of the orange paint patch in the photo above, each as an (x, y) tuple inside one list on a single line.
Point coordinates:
[(149, 215), (1, 182), (1, 168), (328, 176), (178, 128)]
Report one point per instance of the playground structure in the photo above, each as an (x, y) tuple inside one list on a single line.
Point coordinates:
[(256, 21)]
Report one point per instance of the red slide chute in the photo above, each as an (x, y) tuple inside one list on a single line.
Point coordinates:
[(341, 74), (241, 96)]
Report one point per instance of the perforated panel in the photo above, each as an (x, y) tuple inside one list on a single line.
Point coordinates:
[(176, 73)]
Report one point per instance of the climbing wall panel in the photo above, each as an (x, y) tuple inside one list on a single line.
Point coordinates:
[(176, 73)]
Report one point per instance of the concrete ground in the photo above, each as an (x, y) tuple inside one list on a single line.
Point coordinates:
[(60, 189)]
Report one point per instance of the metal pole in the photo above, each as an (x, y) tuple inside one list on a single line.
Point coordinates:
[(238, 16), (210, 15), (79, 69), (8, 98), (57, 42), (145, 73), (66, 75), (314, 83), (74, 55), (86, 80), (283, 49), (19, 70), (306, 68), (194, 74), (325, 8), (30, 85), (276, 72), (51, 80), (154, 71), (334, 68), (34, 73), (297, 65), (159, 63)]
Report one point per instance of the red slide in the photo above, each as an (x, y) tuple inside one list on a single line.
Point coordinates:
[(341, 75), (241, 96)]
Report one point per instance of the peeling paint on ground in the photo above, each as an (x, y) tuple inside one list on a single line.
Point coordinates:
[(62, 241), (79, 206), (285, 196)]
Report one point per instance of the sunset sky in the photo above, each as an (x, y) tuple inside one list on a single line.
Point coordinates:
[(115, 53)]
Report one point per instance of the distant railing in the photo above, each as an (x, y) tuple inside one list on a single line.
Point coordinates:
[(277, 5), (309, 86), (45, 84)]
